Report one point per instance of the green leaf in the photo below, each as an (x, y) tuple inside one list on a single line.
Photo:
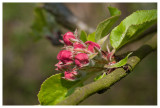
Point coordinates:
[(100, 76), (83, 36), (105, 43), (120, 63), (102, 40), (55, 89), (114, 11), (91, 37), (131, 27), (105, 26)]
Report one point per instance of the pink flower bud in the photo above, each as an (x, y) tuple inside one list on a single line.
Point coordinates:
[(70, 75), (65, 56), (66, 38), (81, 59), (61, 66), (92, 45), (77, 45)]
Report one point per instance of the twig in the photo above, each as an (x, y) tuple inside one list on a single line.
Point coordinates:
[(65, 17), (83, 92)]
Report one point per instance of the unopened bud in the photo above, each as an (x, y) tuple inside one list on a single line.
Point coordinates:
[(66, 38), (65, 56), (92, 45), (81, 59), (70, 75)]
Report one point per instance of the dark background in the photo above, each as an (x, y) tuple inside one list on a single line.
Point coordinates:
[(26, 63)]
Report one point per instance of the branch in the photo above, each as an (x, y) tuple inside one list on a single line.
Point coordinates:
[(65, 17), (105, 83)]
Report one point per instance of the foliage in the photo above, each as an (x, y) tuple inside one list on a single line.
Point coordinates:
[(120, 63), (83, 36), (100, 77), (104, 27), (132, 26), (91, 37)]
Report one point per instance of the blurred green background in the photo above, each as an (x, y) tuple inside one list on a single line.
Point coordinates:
[(26, 63)]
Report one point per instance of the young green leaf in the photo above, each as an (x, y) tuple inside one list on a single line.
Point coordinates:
[(120, 63), (83, 36), (91, 37), (100, 76), (55, 89), (105, 26), (131, 27), (105, 43), (114, 11), (102, 40)]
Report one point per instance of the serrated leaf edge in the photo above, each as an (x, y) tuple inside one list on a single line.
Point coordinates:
[(132, 24)]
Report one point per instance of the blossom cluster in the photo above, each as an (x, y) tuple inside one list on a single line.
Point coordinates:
[(75, 55)]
